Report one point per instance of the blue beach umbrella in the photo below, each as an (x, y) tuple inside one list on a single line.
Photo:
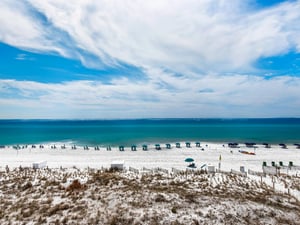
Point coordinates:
[(189, 160)]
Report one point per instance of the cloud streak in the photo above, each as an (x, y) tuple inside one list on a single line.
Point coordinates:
[(242, 96), (177, 35)]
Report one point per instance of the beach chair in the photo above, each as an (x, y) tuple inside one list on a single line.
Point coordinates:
[(192, 165)]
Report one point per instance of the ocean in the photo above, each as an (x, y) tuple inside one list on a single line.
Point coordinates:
[(139, 131)]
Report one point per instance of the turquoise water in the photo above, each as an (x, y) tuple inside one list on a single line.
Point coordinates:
[(127, 132)]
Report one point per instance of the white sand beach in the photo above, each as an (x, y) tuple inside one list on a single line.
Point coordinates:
[(231, 158), (75, 188)]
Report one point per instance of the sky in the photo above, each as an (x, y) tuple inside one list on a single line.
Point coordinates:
[(116, 59)]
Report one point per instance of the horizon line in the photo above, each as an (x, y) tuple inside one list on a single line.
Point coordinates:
[(149, 118)]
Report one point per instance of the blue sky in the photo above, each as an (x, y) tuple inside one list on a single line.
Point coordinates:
[(125, 59)]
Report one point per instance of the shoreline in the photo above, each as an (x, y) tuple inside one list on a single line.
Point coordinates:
[(150, 142)]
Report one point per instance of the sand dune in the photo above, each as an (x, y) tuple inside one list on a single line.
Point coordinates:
[(75, 188)]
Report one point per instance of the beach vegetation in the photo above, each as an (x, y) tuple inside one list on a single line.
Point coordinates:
[(114, 197), (75, 186)]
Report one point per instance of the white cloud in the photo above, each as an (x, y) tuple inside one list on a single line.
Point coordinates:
[(229, 96), (188, 35), (191, 52), (22, 27), (24, 57), (17, 28)]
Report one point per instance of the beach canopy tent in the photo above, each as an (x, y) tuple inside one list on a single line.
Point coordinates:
[(233, 145), (283, 145), (157, 147), (266, 145), (133, 147), (189, 160), (121, 148), (177, 145), (188, 144), (197, 144), (250, 144), (145, 147), (298, 145), (168, 146)]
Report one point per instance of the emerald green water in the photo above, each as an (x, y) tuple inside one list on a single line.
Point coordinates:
[(127, 132)]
